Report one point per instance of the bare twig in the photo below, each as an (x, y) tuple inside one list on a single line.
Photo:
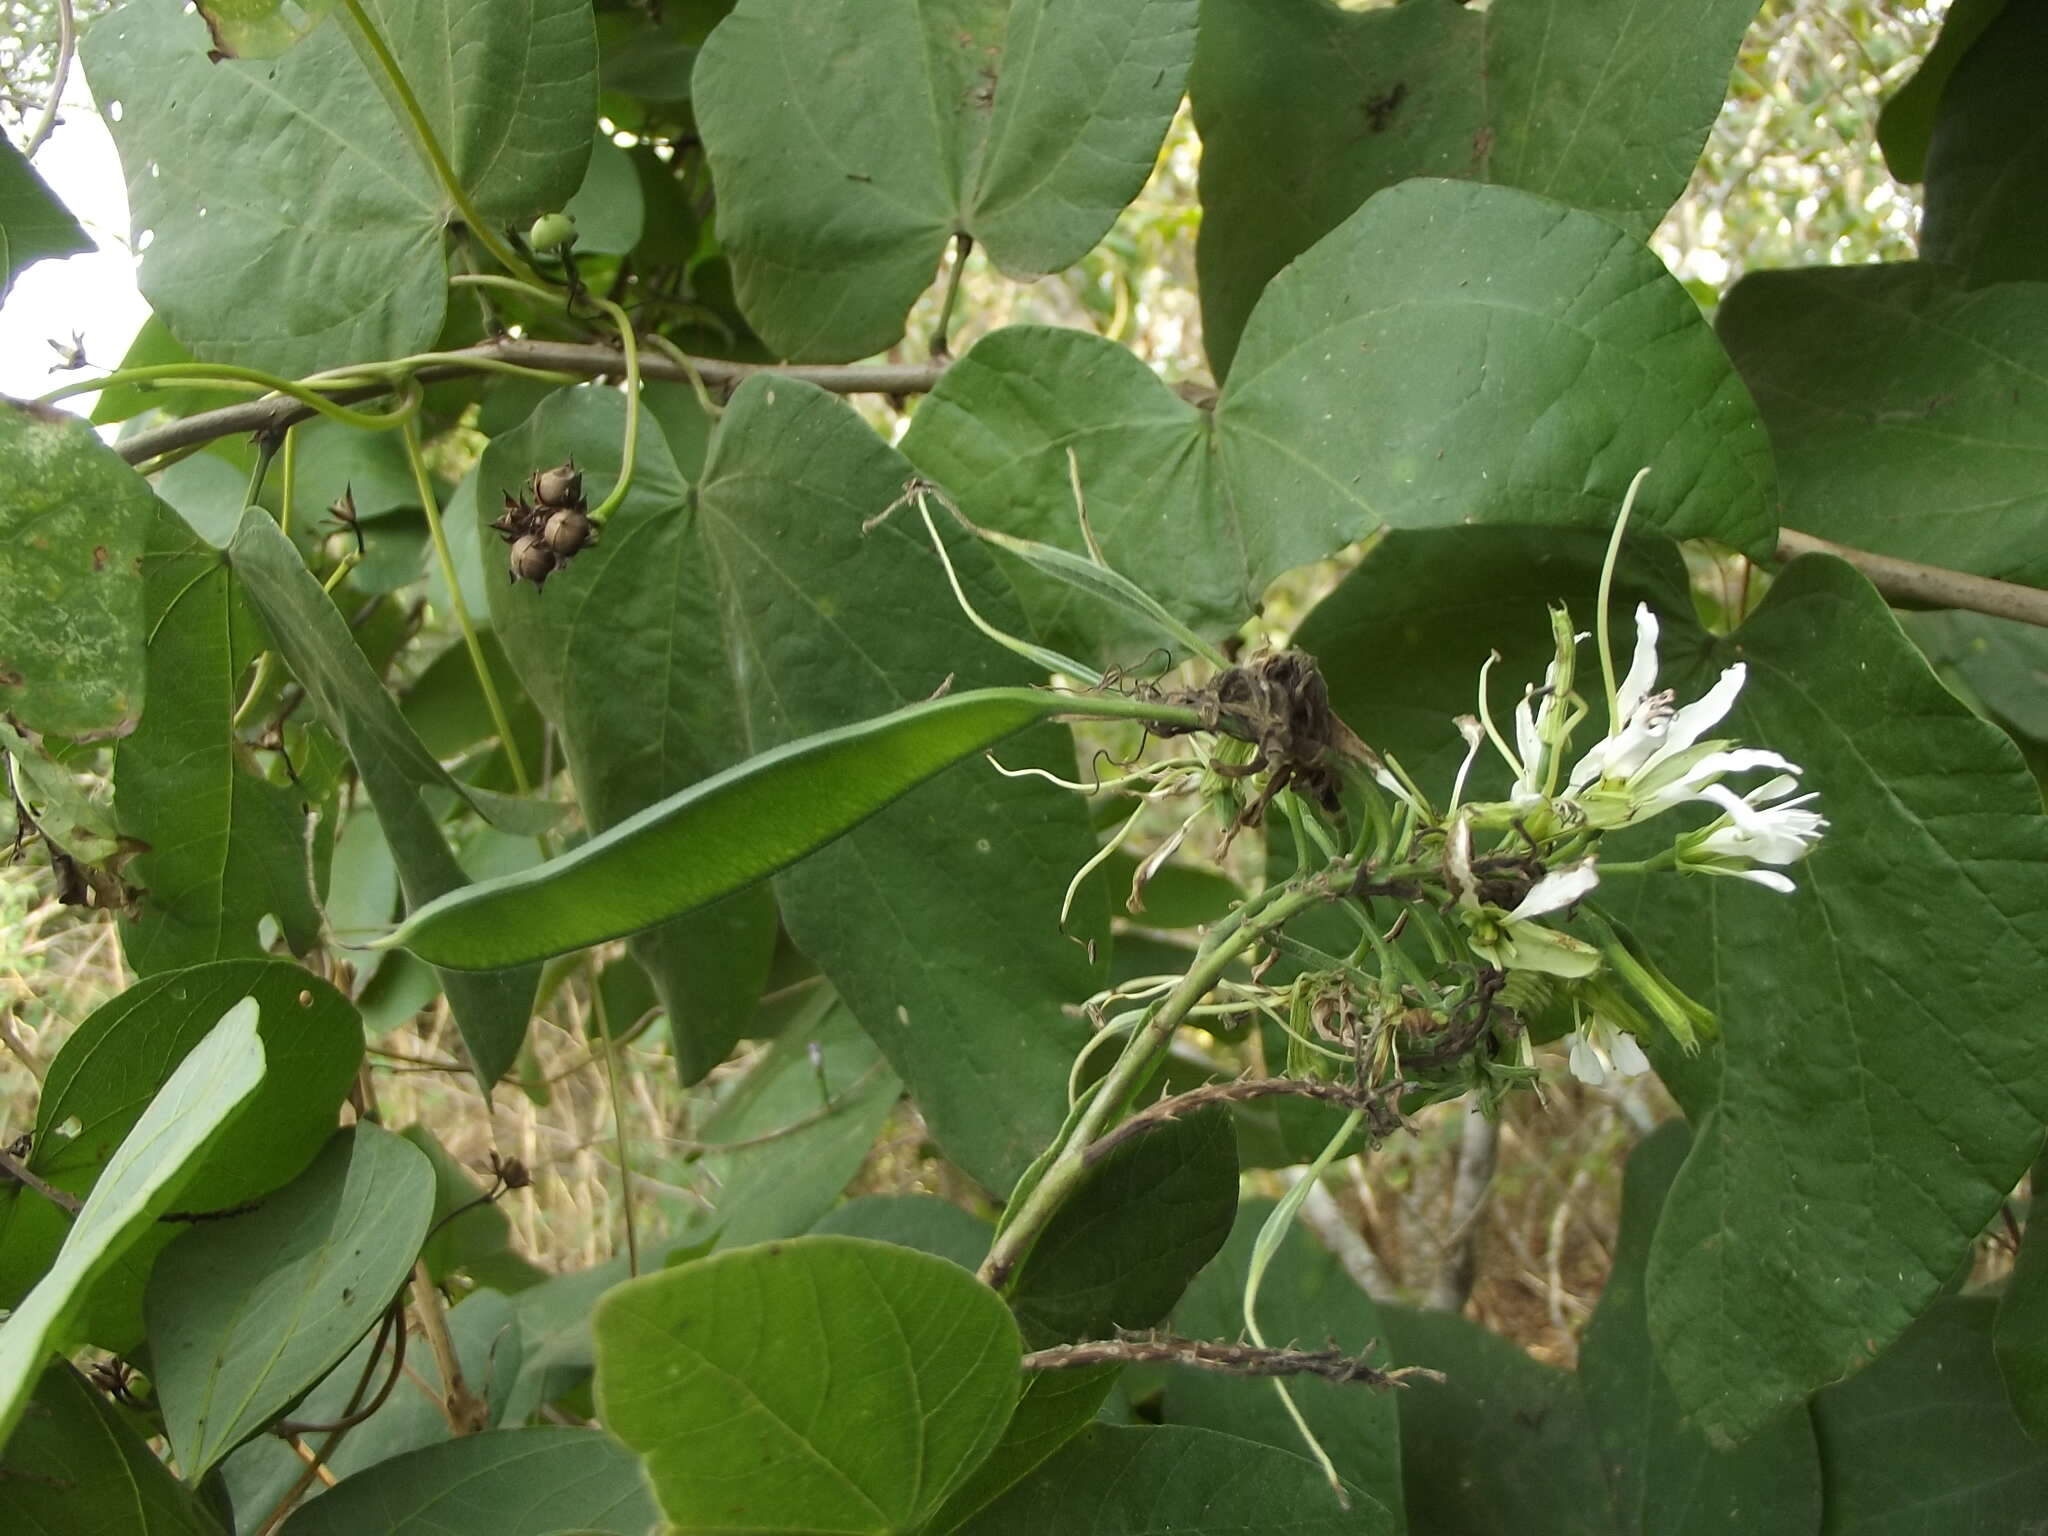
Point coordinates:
[(1931, 585), (590, 359), (12, 1167), (1226, 1359), (1383, 1117), (1478, 1148), (467, 1413)]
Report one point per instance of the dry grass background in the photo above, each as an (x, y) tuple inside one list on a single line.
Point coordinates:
[(1790, 176)]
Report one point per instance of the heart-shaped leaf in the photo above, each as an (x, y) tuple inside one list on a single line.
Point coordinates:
[(623, 653), (72, 527), (850, 143), (225, 848), (247, 1312), (291, 217), (825, 1384), (1306, 110), (1450, 354), (141, 1180)]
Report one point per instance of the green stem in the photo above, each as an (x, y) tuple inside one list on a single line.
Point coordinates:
[(266, 447), (1601, 638), (437, 159), (1069, 1168), (611, 1073), (428, 504), (232, 376), (962, 244)]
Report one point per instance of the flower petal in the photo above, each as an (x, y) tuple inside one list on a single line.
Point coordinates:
[(1642, 667), (1707, 711), (1586, 1064), (1557, 890), (1627, 1056)]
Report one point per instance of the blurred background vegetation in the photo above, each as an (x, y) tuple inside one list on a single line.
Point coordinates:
[(1790, 176)]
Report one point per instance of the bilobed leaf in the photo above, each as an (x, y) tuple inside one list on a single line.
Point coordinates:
[(141, 1181), (508, 1482), (1665, 1477), (1152, 1482), (1883, 1074), (224, 848), (34, 225), (1987, 159), (1906, 122), (117, 1061), (937, 921), (851, 142), (1121, 1249), (796, 1132), (1306, 110), (1306, 1298), (1925, 1440), (74, 1463), (824, 1384), (248, 1311), (72, 526), (294, 222), (1503, 1445), (314, 639), (1449, 354), (1909, 415), (623, 653)]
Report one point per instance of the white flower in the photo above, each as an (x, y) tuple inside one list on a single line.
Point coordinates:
[(1647, 731), (1555, 891), (1515, 941), (1598, 1048), (1754, 831), (1535, 725)]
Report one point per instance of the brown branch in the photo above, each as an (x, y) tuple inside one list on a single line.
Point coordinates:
[(1378, 1103), (1225, 1359), (1933, 586), (591, 360), (12, 1167)]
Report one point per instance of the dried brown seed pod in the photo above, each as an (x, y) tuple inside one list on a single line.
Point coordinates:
[(568, 531), (530, 560), (561, 486)]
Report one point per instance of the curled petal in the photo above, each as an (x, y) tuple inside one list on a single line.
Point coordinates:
[(1706, 712), (1557, 890), (1642, 667)]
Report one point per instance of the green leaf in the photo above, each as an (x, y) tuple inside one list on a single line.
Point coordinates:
[(314, 639), (247, 1312), (486, 1338), (1883, 1075), (923, 1222), (293, 220), (1906, 122), (261, 29), (789, 1136), (825, 1384), (1025, 125), (1150, 1482), (1053, 1407), (827, 624), (1666, 1479), (1119, 1252), (1925, 1441), (154, 344), (143, 1178), (34, 225), (122, 1056), (1909, 415), (509, 1482), (224, 848), (1503, 1446), (608, 208), (1450, 354), (623, 653), (72, 527), (75, 1464), (2020, 1338), (477, 1243), (1987, 159), (1306, 111), (49, 793), (1305, 1298), (1995, 664)]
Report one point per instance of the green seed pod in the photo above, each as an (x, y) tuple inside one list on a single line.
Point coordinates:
[(551, 232)]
